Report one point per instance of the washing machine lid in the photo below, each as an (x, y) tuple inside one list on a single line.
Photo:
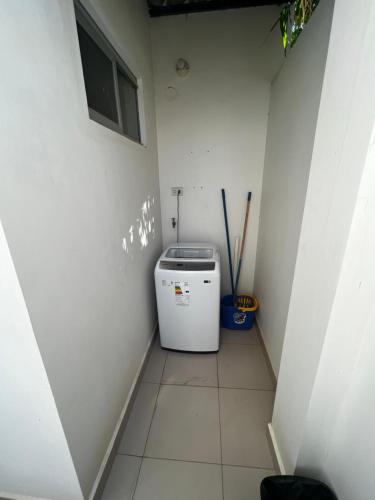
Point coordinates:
[(189, 257), (189, 253)]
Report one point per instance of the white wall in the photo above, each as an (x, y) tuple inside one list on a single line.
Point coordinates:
[(34, 458), (342, 136), (212, 135), (338, 436), (70, 192), (295, 97)]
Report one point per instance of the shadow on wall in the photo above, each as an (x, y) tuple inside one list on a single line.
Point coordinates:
[(142, 232)]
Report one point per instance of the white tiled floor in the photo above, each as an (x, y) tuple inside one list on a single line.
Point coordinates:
[(198, 426), (186, 425), (243, 367), (181, 369)]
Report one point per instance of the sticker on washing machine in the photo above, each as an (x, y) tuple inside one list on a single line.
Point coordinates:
[(182, 293)]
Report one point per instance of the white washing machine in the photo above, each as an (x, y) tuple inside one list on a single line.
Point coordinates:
[(187, 281)]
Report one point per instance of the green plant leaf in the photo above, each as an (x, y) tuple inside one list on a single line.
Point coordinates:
[(284, 25), (293, 18), (298, 12), (294, 35)]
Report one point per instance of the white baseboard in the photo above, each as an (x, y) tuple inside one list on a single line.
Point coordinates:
[(268, 359), (270, 432), (276, 450), (104, 469)]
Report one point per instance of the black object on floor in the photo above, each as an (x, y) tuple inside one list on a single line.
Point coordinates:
[(294, 488)]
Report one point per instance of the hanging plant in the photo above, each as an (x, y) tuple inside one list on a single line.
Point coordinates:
[(293, 17)]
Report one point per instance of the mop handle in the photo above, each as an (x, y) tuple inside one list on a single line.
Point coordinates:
[(245, 224), (242, 244), (228, 240)]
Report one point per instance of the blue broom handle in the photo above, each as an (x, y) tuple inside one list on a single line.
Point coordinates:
[(228, 241)]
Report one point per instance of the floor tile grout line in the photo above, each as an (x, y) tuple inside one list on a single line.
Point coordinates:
[(213, 387), (150, 457), (199, 462), (165, 362), (129, 455), (184, 460), (250, 467), (221, 443), (155, 405), (149, 428), (216, 387), (190, 385), (164, 365), (144, 449), (138, 474), (245, 389)]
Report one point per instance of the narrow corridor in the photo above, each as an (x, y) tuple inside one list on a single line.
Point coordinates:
[(198, 426)]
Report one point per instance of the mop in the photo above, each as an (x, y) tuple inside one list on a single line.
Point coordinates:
[(242, 247)]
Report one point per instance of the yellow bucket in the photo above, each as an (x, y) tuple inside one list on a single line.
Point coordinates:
[(247, 303)]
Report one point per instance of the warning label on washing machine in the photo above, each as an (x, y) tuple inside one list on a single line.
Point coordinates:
[(182, 293)]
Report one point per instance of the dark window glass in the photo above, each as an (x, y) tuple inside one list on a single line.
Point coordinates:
[(129, 106), (98, 76), (111, 88)]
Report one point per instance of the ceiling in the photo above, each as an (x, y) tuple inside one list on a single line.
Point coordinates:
[(170, 7)]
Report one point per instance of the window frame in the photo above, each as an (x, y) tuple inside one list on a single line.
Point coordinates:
[(87, 23)]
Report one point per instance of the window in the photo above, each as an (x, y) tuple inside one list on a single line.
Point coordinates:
[(111, 88)]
